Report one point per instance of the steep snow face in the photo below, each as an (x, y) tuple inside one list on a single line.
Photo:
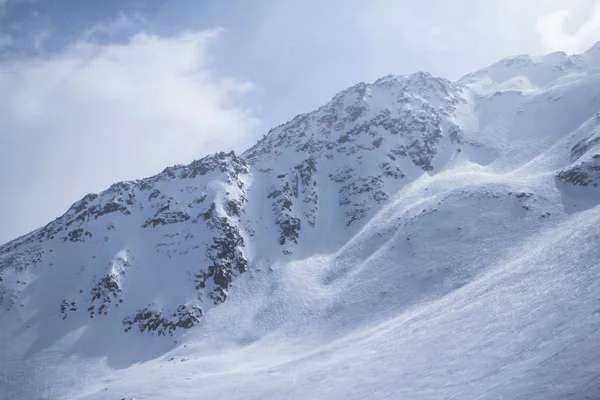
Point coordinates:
[(149, 251), (413, 236), (523, 106), (536, 71), (335, 167)]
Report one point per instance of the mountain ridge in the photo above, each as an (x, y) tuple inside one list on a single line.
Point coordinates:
[(461, 81), (387, 201)]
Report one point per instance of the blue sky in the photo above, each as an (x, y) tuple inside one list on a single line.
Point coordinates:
[(93, 92)]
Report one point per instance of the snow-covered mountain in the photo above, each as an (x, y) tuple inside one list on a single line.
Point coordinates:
[(413, 238)]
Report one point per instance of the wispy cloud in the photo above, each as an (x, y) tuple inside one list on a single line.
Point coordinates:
[(122, 24), (555, 36)]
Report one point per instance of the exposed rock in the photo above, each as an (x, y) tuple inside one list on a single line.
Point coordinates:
[(77, 235), (226, 259), (165, 218), (584, 174), (152, 321), (66, 307), (103, 294)]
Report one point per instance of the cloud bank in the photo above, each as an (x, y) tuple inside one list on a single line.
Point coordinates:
[(95, 114)]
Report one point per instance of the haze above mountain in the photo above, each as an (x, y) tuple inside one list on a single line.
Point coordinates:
[(413, 238)]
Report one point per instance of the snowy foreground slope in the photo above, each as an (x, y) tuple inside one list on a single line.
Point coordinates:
[(414, 238)]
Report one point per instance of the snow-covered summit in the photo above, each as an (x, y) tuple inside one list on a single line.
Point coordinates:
[(360, 108), (452, 224), (530, 72)]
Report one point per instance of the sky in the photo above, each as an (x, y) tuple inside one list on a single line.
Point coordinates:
[(95, 92)]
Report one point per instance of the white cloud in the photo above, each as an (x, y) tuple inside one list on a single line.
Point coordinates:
[(448, 38), (90, 116), (435, 31), (554, 36), (451, 38)]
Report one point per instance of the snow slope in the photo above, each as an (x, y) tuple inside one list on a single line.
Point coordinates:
[(413, 238)]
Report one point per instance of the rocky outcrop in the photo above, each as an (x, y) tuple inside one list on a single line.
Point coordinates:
[(585, 174), (105, 292), (153, 321), (226, 259)]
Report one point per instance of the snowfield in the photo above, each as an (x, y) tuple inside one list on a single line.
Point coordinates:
[(414, 238)]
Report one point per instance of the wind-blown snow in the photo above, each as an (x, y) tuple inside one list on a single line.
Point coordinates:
[(413, 238)]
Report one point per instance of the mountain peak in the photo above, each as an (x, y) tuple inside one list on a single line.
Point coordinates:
[(409, 196), (527, 72), (357, 116)]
